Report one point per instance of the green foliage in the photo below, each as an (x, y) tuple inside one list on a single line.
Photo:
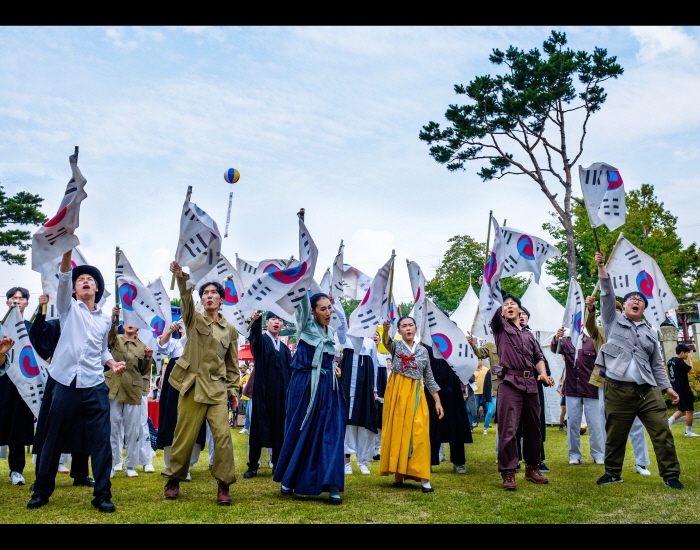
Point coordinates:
[(405, 308), (464, 263), (516, 120), (349, 305), (22, 209), (175, 302), (648, 226)]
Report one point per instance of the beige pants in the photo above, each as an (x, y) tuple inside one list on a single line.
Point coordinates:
[(190, 416)]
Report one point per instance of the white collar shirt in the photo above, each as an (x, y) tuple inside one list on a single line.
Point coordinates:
[(82, 350), (172, 348), (275, 341)]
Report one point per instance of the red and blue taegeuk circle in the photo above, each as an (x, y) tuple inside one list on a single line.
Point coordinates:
[(443, 343), (645, 284), (417, 295), (127, 295), (27, 363), (286, 276), (490, 268), (614, 179), (57, 218), (578, 321), (364, 300), (158, 326), (230, 296), (526, 247)]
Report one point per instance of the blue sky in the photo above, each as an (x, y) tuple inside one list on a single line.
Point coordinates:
[(324, 118)]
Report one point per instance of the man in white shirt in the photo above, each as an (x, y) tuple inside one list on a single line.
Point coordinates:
[(78, 368)]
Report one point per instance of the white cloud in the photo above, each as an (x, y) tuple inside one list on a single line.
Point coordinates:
[(657, 42)]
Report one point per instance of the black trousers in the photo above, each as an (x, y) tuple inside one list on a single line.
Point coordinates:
[(79, 468), (68, 404), (16, 458), (457, 455), (254, 456)]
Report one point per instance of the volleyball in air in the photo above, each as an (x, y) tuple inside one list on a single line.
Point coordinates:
[(232, 175)]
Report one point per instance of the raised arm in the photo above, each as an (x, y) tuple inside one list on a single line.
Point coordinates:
[(594, 330), (186, 302), (303, 314), (64, 295), (607, 295)]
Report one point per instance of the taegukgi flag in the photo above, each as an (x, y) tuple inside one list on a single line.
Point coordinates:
[(490, 298), (368, 315), (631, 270), (199, 245), (420, 310), (57, 236), (573, 313), (140, 307), (603, 194)]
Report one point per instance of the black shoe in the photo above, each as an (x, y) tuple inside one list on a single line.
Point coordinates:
[(31, 487), (427, 489), (607, 479), (105, 505), (249, 474), (543, 467), (397, 483), (37, 502), (335, 499), (375, 458), (87, 482), (286, 492), (673, 483)]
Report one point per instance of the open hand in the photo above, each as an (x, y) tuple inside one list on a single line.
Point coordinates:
[(6, 344), (176, 269)]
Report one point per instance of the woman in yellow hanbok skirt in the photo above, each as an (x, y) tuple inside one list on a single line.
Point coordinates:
[(405, 448)]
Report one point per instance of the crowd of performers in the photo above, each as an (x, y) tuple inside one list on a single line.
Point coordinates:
[(317, 407)]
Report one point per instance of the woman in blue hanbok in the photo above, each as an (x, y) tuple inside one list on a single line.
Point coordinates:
[(312, 457)]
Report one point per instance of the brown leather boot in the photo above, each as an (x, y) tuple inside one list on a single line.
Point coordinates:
[(172, 489), (532, 473), (222, 496), (508, 480)]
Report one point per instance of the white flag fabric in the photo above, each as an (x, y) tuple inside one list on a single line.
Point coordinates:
[(603, 194), (420, 310), (57, 236), (281, 290), (573, 314), (249, 271), (326, 281), (161, 295), (225, 274), (482, 329), (199, 246), (390, 309), (368, 315), (26, 369), (632, 270), (49, 281), (140, 307), (672, 317), (490, 298), (338, 284), (355, 282), (465, 314), (450, 343), (524, 252)]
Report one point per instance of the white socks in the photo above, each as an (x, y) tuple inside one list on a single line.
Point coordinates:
[(689, 429), (425, 483)]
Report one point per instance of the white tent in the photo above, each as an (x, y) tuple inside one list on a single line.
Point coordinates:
[(546, 316), (464, 315)]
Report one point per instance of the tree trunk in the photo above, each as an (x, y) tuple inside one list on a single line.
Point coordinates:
[(570, 247)]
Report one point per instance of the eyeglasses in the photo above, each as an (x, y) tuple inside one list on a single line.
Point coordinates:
[(636, 299)]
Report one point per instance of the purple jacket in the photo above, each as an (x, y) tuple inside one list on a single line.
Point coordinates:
[(517, 350), (577, 375)]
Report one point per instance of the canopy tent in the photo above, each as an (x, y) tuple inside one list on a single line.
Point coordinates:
[(546, 316), (464, 315)]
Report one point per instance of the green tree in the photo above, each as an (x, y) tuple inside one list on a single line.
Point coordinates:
[(175, 302), (648, 226), (519, 122), (464, 263), (22, 209), (349, 305)]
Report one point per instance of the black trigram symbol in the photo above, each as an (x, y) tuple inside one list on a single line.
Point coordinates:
[(611, 207), (367, 319), (431, 319), (221, 268), (192, 217), (541, 248), (21, 331), (247, 268), (147, 306), (195, 245), (508, 236), (263, 290), (510, 263), (593, 177), (301, 292), (51, 237), (632, 255), (624, 281), (70, 189)]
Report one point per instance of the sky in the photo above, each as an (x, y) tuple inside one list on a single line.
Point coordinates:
[(315, 117)]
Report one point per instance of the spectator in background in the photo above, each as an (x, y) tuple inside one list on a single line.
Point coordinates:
[(246, 392), (482, 394), (678, 371)]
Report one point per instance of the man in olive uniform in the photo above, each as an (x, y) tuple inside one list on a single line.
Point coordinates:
[(125, 392), (207, 377)]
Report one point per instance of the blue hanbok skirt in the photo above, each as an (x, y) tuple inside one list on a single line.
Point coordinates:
[(312, 459)]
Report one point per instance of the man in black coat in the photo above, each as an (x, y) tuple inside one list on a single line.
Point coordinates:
[(272, 360)]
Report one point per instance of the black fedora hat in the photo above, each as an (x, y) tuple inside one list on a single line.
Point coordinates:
[(95, 274)]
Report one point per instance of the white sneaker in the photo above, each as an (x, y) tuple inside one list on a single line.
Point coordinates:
[(189, 477), (130, 472), (118, 467), (111, 474), (243, 431), (364, 469), (486, 432), (63, 469), (270, 464), (149, 469), (642, 470), (574, 461), (691, 434), (599, 462), (16, 478), (348, 468)]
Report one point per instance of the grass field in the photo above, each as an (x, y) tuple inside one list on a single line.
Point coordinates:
[(477, 497)]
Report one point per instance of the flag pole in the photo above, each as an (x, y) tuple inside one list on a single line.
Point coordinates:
[(14, 304), (607, 263), (187, 198), (117, 300), (41, 308), (391, 280), (486, 259)]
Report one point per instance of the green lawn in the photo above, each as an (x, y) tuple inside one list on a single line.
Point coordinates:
[(477, 497)]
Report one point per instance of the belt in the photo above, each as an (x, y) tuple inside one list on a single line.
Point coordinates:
[(523, 373)]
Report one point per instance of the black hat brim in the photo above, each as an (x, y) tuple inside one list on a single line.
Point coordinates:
[(95, 274)]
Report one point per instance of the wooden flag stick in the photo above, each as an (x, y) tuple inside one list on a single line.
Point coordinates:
[(41, 308), (488, 235), (187, 198), (14, 304), (607, 263), (117, 300)]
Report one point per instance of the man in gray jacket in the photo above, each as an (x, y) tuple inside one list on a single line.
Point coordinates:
[(635, 379)]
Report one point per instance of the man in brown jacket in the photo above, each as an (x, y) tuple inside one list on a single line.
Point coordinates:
[(125, 393), (207, 377)]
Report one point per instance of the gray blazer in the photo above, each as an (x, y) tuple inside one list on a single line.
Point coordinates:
[(625, 340)]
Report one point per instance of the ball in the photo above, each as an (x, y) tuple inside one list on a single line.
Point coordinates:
[(232, 175)]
